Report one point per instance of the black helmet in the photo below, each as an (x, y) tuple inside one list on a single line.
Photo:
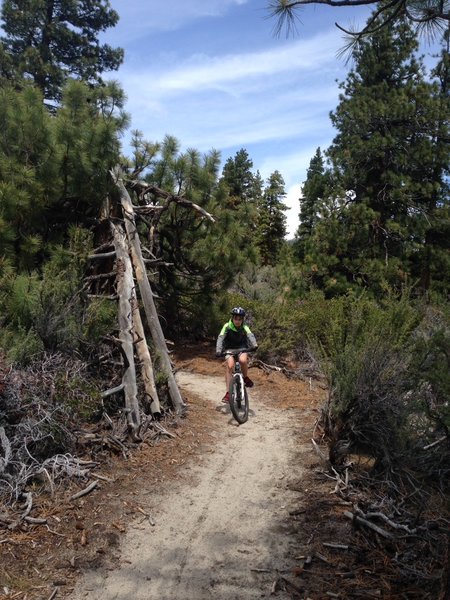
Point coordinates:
[(238, 311)]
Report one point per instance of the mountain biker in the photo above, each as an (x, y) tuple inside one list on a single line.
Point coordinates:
[(235, 334)]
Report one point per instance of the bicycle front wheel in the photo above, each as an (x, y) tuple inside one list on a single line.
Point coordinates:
[(238, 399)]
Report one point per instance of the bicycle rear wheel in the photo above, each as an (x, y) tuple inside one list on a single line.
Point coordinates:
[(238, 399)]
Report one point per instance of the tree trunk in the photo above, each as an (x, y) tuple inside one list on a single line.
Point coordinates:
[(146, 364), (126, 293), (146, 293)]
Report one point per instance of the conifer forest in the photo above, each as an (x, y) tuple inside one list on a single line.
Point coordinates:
[(109, 261)]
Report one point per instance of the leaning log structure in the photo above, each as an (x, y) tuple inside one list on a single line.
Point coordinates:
[(133, 291)]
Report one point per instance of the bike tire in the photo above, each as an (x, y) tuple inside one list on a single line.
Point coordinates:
[(238, 399)]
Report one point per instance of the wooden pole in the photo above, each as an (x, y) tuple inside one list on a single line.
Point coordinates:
[(126, 293), (146, 364)]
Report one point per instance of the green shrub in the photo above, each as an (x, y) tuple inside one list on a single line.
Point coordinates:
[(21, 346), (100, 318), (387, 371), (77, 394), (44, 309), (430, 368)]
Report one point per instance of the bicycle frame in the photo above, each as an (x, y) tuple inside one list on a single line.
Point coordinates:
[(238, 392)]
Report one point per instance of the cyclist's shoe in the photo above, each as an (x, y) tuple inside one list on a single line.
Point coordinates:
[(248, 382), (226, 398)]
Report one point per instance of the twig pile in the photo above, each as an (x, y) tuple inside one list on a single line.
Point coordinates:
[(45, 443), (404, 529)]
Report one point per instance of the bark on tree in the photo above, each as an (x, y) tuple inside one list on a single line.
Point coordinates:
[(146, 364), (126, 293)]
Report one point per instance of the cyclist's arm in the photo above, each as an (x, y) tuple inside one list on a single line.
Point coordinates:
[(221, 340), (251, 340)]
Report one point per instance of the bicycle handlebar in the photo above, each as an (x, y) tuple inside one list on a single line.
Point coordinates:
[(238, 350)]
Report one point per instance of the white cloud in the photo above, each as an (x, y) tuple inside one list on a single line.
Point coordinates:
[(274, 101), (202, 72), (237, 99), (140, 18)]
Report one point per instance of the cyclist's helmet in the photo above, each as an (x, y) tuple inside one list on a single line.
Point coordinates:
[(238, 311)]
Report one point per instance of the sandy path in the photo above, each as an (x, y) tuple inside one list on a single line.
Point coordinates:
[(221, 532)]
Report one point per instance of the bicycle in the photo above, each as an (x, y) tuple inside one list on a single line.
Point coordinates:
[(237, 390)]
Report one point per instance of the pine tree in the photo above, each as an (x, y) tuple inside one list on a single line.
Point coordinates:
[(314, 190), (242, 190), (87, 129), (27, 173), (52, 40), (386, 151), (199, 259), (271, 229), (431, 263), (54, 170), (238, 176), (429, 16)]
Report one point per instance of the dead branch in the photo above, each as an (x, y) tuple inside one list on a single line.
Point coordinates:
[(104, 296), (112, 391), (102, 255), (335, 546), (157, 262), (383, 517), (35, 521), (116, 444), (147, 188), (322, 558), (319, 452), (144, 249), (103, 246), (87, 490), (103, 478), (29, 505), (162, 430), (65, 464), (361, 521), (256, 362), (149, 208), (339, 481), (100, 276), (442, 439), (7, 448), (265, 367)]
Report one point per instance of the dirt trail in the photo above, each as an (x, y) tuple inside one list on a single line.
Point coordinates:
[(220, 532)]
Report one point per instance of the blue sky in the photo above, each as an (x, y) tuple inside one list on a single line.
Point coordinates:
[(213, 74)]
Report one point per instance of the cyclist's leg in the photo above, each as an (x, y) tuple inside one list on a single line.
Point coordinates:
[(229, 361), (243, 360)]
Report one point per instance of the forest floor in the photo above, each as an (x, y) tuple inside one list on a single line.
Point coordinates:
[(213, 510)]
